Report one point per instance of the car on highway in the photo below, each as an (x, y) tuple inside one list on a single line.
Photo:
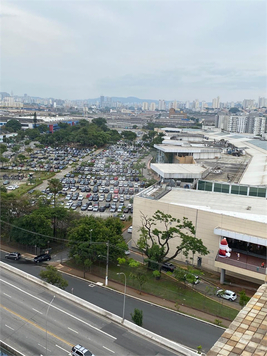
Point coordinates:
[(41, 258), (226, 294), (13, 256), (79, 350)]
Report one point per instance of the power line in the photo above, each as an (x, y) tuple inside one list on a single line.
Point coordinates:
[(32, 232)]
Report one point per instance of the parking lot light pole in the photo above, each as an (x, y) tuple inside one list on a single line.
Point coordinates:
[(106, 279), (123, 309), (46, 322)]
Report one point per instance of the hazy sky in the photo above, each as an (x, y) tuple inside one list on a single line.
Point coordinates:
[(151, 49)]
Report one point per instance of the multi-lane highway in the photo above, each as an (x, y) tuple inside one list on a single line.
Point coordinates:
[(174, 326), (36, 323)]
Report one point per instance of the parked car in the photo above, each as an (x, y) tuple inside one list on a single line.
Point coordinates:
[(13, 256), (168, 267), (130, 229), (191, 278), (226, 294), (41, 258)]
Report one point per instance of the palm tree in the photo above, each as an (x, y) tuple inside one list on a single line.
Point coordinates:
[(54, 186)]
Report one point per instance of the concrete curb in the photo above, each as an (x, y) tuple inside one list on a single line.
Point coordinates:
[(146, 333)]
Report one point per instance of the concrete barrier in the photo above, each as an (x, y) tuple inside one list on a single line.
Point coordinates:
[(129, 325), (5, 347)]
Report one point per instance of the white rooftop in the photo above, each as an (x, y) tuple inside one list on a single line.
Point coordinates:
[(228, 204), (167, 170), (192, 149)]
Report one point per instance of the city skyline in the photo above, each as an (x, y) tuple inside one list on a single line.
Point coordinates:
[(173, 50)]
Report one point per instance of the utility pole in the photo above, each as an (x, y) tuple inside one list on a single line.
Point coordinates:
[(106, 280)]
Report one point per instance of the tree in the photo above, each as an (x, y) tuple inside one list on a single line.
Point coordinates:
[(12, 125), (234, 110), (3, 160), (101, 122), (88, 238), (243, 298), (3, 148), (152, 239), (52, 275), (33, 230), (21, 158), (129, 135), (138, 273), (54, 186), (137, 317), (29, 150), (83, 257), (43, 128)]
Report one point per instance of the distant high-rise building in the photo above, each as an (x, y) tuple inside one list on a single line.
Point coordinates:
[(145, 106), (196, 104), (152, 106), (162, 105), (216, 103), (187, 105), (248, 104), (262, 102), (173, 105), (203, 104)]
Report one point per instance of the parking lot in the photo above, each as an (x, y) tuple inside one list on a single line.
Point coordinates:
[(102, 182)]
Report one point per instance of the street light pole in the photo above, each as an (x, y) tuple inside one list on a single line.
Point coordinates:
[(46, 322), (123, 309), (91, 237), (106, 279)]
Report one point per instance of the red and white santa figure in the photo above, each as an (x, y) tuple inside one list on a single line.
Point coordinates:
[(224, 250)]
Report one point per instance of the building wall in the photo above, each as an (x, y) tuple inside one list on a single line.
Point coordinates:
[(204, 221)]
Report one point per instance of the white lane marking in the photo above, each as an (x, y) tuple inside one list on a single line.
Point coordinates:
[(9, 296), (44, 347), (73, 330), (91, 285), (62, 311), (62, 348), (37, 311), (9, 327), (109, 350)]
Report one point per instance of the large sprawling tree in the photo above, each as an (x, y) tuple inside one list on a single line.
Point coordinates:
[(89, 236), (159, 230)]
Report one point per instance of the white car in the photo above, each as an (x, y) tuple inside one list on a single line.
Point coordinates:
[(10, 187), (226, 294), (130, 229)]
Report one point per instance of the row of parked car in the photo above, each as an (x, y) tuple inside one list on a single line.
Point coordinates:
[(16, 256)]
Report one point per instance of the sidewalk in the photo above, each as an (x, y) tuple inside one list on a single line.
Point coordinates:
[(130, 291)]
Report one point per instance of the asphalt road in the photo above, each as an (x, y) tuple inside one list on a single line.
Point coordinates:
[(172, 325), (36, 323)]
